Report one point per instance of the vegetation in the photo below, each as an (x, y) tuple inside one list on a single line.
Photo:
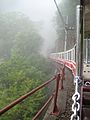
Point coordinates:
[(22, 67), (18, 32)]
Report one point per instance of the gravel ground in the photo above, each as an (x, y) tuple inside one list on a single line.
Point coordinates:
[(67, 114)]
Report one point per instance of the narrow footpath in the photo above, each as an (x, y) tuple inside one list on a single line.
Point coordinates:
[(64, 100)]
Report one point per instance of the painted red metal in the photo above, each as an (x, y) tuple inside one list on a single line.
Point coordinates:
[(8, 107), (62, 77), (61, 83), (63, 72), (41, 110), (86, 88), (68, 63), (55, 108)]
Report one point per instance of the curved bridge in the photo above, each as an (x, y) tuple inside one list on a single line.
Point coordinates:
[(81, 98), (67, 58), (61, 60)]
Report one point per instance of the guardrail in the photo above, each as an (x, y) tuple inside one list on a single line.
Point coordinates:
[(67, 58), (57, 78), (66, 55)]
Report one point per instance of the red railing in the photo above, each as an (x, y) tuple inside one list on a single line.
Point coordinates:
[(54, 95)]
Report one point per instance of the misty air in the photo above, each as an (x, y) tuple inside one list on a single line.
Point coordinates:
[(44, 59)]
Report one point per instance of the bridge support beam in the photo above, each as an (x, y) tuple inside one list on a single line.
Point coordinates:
[(80, 38)]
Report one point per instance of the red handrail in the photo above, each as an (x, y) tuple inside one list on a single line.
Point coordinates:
[(8, 107), (55, 111)]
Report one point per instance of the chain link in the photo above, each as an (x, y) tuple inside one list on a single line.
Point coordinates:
[(75, 98), (87, 83)]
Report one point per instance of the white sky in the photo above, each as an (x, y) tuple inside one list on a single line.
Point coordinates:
[(37, 10), (42, 10)]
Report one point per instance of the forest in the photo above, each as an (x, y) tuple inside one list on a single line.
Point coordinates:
[(22, 67)]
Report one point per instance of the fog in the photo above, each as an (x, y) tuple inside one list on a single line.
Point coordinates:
[(37, 10)]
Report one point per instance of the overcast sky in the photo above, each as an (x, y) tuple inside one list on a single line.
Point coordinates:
[(37, 10)]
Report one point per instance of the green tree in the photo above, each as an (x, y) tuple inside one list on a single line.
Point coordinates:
[(24, 69), (16, 30), (27, 43), (16, 78)]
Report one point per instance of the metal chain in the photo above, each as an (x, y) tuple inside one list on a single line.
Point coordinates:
[(75, 98), (87, 83)]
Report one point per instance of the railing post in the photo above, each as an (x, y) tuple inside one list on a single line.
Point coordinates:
[(61, 82), (55, 108), (63, 72), (80, 37), (62, 77)]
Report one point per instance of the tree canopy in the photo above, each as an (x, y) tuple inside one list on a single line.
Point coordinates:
[(18, 32), (22, 68)]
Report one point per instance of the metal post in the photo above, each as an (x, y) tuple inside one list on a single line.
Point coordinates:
[(63, 72), (61, 81), (86, 50), (79, 50), (55, 108), (75, 53), (65, 40), (66, 34)]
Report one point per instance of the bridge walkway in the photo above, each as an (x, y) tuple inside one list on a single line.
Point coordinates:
[(64, 101)]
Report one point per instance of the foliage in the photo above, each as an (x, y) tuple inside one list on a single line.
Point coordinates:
[(18, 76), (17, 32), (24, 69)]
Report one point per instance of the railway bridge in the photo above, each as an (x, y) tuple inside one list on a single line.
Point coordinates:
[(73, 60), (58, 97)]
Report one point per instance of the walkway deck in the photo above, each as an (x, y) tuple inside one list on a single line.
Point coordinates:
[(62, 98)]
